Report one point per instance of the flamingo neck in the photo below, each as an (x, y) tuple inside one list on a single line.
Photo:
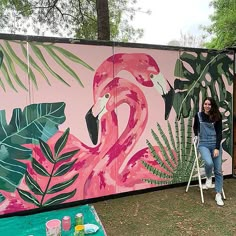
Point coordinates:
[(135, 127)]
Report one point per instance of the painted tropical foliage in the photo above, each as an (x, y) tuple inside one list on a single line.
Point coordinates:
[(199, 75), (22, 61), (44, 164), (210, 74), (177, 169), (57, 165), (25, 127)]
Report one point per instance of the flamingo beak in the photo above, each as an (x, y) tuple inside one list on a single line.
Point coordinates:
[(92, 126), (166, 90), (94, 115), (169, 99)]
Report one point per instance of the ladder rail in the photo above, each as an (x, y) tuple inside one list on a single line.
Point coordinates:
[(197, 167)]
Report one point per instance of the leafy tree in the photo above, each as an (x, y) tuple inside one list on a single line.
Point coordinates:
[(88, 19), (223, 25)]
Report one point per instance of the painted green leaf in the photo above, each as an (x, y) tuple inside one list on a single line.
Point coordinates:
[(20, 63), (11, 68), (194, 82), (7, 77), (33, 64), (2, 198), (156, 172), (28, 197), (59, 198), (67, 155), (39, 168), (1, 82), (72, 57), (2, 85), (33, 185), (27, 126), (61, 142), (63, 185), (39, 188), (46, 151), (11, 171), (62, 64), (156, 157), (41, 58), (64, 168), (1, 58)]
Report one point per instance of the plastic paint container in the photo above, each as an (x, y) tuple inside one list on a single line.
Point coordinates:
[(79, 219), (66, 223), (53, 227)]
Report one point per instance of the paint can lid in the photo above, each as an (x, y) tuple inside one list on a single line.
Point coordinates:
[(79, 214), (79, 228)]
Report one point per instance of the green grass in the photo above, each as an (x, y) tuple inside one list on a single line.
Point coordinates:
[(170, 212)]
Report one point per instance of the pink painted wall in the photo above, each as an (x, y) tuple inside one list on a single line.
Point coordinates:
[(125, 91)]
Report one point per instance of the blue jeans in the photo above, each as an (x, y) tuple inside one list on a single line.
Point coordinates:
[(211, 162)]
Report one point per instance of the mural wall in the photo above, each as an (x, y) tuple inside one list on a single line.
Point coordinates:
[(80, 121)]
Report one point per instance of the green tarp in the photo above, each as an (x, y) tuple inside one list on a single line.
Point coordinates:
[(34, 225)]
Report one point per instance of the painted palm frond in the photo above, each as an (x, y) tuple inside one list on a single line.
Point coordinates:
[(35, 61), (205, 74), (177, 153)]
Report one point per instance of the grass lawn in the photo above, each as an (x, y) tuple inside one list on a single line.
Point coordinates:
[(169, 212)]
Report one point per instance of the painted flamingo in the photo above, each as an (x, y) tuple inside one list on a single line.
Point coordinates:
[(145, 70), (116, 172)]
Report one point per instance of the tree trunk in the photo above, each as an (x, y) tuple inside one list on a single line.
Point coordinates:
[(103, 20)]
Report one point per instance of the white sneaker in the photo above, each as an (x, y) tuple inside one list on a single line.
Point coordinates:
[(219, 200), (208, 184)]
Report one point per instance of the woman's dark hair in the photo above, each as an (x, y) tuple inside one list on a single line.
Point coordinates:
[(214, 113)]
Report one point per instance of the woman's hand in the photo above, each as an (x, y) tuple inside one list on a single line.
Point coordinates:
[(215, 153)]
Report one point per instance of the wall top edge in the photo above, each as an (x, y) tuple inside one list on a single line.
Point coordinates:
[(31, 38)]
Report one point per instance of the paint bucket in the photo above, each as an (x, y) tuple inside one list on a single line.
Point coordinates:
[(53, 228)]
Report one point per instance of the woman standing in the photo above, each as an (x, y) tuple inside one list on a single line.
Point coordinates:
[(208, 130)]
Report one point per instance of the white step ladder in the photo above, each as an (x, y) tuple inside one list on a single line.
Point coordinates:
[(200, 176)]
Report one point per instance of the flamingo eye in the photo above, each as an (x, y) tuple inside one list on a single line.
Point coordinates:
[(107, 95), (151, 76)]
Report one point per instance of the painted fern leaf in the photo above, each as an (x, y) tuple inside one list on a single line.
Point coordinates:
[(173, 169)]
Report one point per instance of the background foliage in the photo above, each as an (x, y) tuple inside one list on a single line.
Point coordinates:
[(223, 27), (76, 18)]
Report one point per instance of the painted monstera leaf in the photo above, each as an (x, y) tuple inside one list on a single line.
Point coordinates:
[(36, 121), (205, 74)]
